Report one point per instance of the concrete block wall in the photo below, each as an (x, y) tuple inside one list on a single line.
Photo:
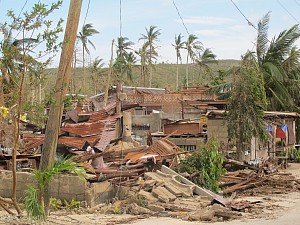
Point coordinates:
[(64, 187), (217, 128)]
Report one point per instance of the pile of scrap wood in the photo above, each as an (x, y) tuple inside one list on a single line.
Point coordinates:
[(262, 178), (123, 163)]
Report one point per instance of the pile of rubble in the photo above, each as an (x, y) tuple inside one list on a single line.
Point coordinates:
[(166, 193)]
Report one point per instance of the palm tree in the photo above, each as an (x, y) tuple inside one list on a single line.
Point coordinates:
[(86, 32), (130, 60), (150, 38), (143, 55), (123, 46), (203, 60), (96, 72), (179, 44), (193, 46), (279, 62)]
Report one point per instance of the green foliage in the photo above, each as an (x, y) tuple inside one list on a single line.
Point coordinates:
[(207, 162), (72, 204), (35, 113), (245, 105), (32, 202), (69, 100), (27, 39), (55, 204), (33, 206)]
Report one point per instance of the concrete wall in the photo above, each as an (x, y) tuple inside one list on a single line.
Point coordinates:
[(217, 128), (64, 187)]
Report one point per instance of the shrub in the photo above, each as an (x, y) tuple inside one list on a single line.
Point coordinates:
[(206, 165)]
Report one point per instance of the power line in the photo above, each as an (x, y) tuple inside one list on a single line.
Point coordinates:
[(180, 17), (120, 18), (249, 22), (87, 12), (287, 11), (297, 2), (23, 8)]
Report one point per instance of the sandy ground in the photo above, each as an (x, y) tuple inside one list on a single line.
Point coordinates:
[(275, 210)]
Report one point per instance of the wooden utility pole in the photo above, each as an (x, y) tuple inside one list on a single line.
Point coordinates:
[(61, 86), (109, 75)]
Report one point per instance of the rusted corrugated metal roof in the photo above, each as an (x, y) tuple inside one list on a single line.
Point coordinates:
[(77, 142), (85, 129), (163, 147)]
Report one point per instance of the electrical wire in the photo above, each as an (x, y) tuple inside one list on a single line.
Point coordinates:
[(297, 2), (87, 12), (180, 17), (287, 11), (120, 18), (249, 22), (23, 8)]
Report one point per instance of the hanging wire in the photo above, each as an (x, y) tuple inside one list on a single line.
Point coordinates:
[(87, 12), (23, 8), (249, 22), (297, 2), (180, 17), (287, 11), (120, 18)]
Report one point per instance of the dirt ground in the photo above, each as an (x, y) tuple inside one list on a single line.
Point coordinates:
[(283, 209)]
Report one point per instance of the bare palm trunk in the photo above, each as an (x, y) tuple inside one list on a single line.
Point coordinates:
[(177, 74), (83, 67), (109, 75), (74, 73), (150, 65), (187, 71)]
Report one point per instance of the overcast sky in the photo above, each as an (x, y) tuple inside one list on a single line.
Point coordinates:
[(217, 23)]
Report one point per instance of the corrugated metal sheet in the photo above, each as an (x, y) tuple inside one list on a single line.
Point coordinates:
[(163, 147), (85, 129), (77, 142)]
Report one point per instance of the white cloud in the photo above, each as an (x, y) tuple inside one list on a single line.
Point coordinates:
[(206, 20)]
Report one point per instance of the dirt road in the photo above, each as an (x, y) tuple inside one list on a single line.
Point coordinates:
[(287, 214)]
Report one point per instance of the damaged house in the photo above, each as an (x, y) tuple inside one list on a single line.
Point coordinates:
[(281, 129)]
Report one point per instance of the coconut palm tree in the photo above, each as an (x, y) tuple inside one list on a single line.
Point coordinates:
[(150, 38), (193, 46), (179, 44), (279, 62), (86, 32), (204, 59), (142, 53), (123, 46)]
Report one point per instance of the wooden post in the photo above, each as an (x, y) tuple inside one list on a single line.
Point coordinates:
[(63, 77), (109, 75)]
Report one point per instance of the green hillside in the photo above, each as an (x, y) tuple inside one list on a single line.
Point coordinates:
[(164, 75)]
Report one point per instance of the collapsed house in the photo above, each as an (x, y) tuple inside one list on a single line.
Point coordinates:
[(162, 113)]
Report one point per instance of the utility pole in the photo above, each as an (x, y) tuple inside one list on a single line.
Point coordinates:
[(109, 75), (61, 86)]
